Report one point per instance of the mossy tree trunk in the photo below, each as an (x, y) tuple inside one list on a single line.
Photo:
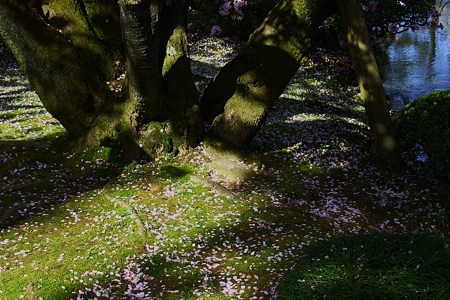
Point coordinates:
[(66, 79), (140, 31), (110, 71), (237, 101), (184, 120), (120, 72), (370, 83)]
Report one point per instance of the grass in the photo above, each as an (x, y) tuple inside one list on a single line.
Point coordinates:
[(372, 266), (309, 185)]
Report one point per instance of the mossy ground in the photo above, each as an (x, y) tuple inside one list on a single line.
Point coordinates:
[(314, 177)]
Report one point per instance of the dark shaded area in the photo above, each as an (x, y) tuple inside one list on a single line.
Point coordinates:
[(372, 266), (383, 14), (274, 216), (172, 172), (37, 175), (7, 57)]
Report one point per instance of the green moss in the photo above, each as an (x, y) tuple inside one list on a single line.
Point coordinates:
[(175, 172), (154, 140), (423, 127), (71, 20)]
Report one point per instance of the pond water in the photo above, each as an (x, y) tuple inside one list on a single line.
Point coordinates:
[(418, 63)]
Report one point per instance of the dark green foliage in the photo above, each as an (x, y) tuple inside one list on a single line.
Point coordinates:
[(206, 15), (424, 126), (373, 266), (382, 16)]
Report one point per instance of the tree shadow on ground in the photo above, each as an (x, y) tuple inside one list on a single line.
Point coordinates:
[(257, 246), (254, 247), (37, 175), (39, 170)]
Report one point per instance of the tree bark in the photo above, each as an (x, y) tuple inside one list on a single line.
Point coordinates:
[(69, 86), (242, 93), (370, 84), (185, 121), (182, 125), (140, 31), (72, 67), (139, 93)]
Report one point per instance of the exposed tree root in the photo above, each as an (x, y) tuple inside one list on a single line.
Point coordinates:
[(133, 213), (31, 290), (217, 187)]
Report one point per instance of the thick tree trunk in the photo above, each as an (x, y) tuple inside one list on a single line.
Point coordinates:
[(185, 121), (139, 93), (370, 84), (242, 93), (139, 23), (182, 125), (69, 86)]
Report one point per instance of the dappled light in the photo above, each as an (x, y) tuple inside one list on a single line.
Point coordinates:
[(283, 180), (70, 220), (22, 115), (237, 100), (370, 84)]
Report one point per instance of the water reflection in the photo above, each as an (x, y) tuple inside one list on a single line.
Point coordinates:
[(419, 63)]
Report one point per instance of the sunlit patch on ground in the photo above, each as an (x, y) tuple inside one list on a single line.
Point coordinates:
[(22, 116)]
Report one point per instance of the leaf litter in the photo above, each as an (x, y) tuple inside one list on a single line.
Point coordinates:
[(314, 177)]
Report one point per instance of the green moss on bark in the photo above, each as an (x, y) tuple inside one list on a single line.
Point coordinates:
[(155, 140), (242, 93)]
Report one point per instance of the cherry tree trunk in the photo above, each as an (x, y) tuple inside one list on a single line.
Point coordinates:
[(237, 101), (370, 84), (110, 72)]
